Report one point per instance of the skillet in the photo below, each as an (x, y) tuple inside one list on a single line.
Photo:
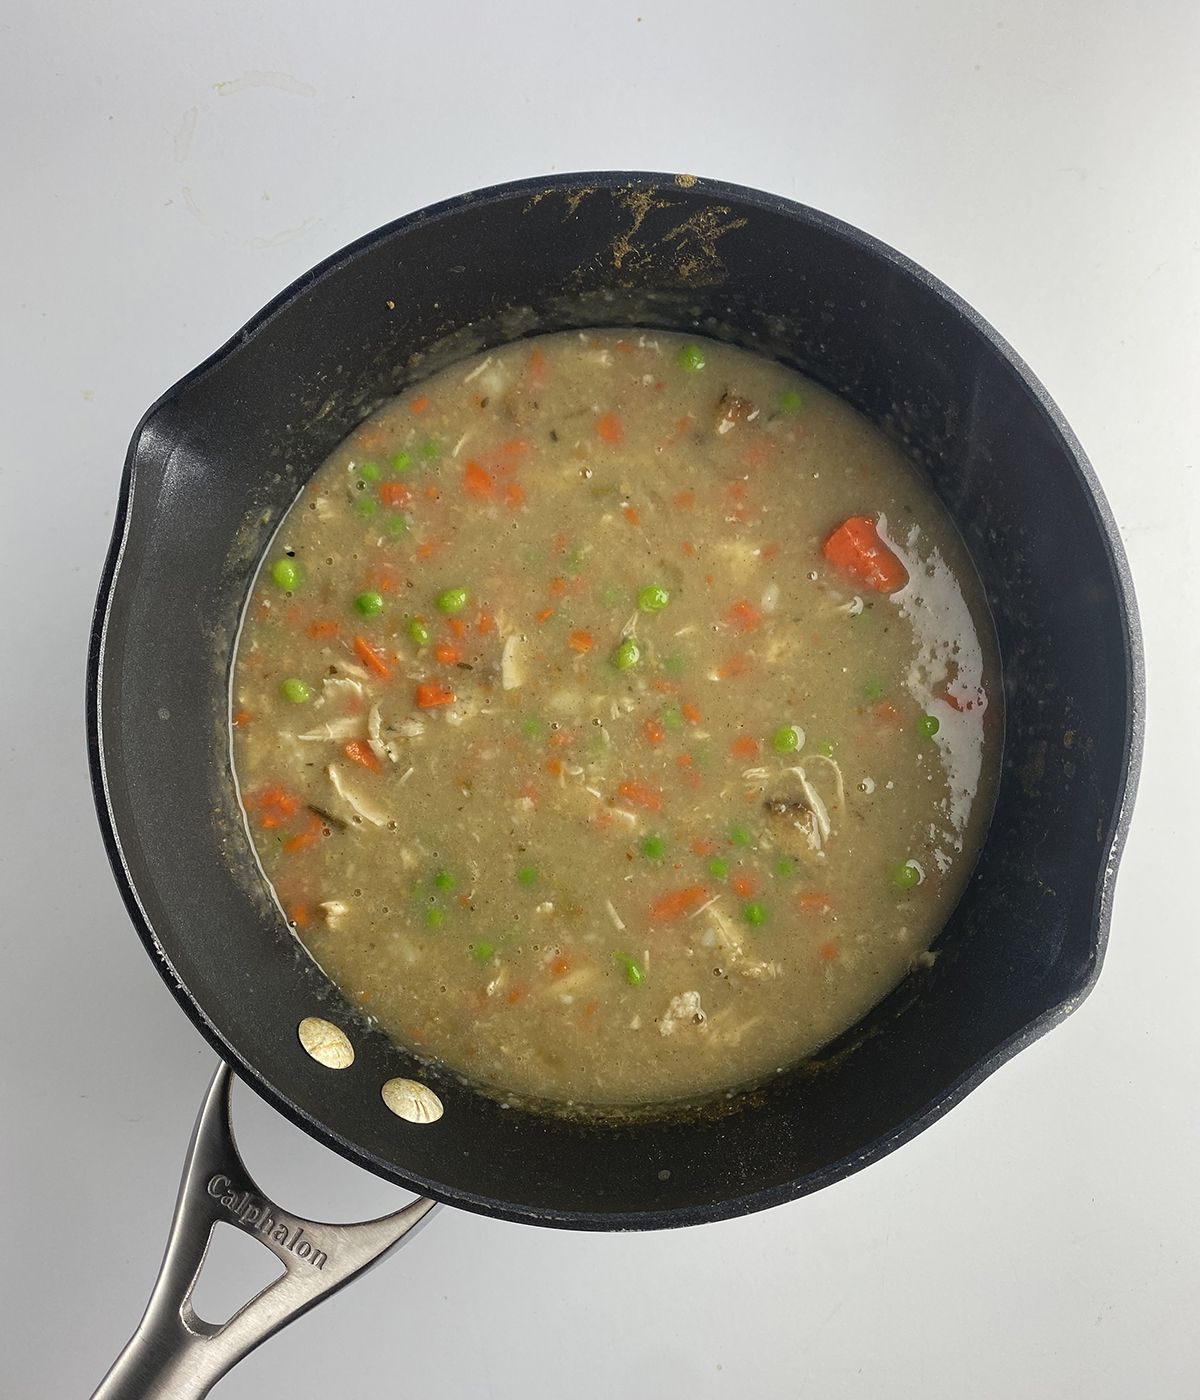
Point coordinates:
[(217, 460)]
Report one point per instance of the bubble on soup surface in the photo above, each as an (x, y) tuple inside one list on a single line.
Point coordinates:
[(326, 1043), (412, 1101)]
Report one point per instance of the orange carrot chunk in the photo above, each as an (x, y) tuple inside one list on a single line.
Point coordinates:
[(744, 616), (610, 428), (745, 747), (360, 752), (373, 658), (447, 653), (676, 903), (580, 641), (319, 630), (477, 482), (429, 695), (856, 549), (641, 795), (394, 493)]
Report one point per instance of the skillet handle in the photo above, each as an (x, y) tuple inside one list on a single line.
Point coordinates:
[(175, 1355)]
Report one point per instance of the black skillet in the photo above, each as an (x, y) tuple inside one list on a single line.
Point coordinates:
[(216, 462)]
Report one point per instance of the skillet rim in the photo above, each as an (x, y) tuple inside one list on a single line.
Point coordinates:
[(1112, 844)]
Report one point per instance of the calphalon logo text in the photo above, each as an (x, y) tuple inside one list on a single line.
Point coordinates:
[(256, 1215)]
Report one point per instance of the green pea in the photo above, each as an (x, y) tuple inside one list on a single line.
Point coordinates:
[(366, 505), (754, 914), (627, 654), (825, 747), (675, 664), (444, 880), (369, 471), (784, 867), (430, 449), (418, 632), (527, 876), (368, 604), (928, 726), (575, 562), (718, 868), (296, 690), (691, 358), (287, 574), (612, 595), (435, 917), (654, 847), (740, 834), (653, 598), (401, 462), (397, 525), (672, 718), (482, 952), (873, 690), (634, 974), (906, 875), (790, 401), (452, 600), (787, 739), (532, 728)]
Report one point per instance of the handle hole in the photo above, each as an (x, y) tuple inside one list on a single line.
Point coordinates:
[(236, 1268)]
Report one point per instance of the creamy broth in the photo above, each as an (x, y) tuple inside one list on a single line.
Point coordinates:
[(616, 718)]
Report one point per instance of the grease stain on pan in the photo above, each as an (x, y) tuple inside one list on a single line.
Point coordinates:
[(326, 1043), (412, 1101)]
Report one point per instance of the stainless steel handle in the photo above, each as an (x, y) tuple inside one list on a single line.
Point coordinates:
[(175, 1355)]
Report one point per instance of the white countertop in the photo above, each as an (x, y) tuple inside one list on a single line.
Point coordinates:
[(1043, 1239)]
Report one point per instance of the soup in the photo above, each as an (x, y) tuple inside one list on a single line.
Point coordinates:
[(615, 718)]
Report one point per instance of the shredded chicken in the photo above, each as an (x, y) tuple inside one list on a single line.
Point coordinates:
[(684, 1011), (361, 806)]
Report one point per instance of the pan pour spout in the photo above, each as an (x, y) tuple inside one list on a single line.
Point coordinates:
[(175, 1355)]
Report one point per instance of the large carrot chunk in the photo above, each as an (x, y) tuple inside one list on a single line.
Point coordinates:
[(676, 903), (430, 695), (642, 795), (856, 549), (373, 657), (477, 482)]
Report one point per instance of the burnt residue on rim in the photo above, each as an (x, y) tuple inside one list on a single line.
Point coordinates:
[(218, 459)]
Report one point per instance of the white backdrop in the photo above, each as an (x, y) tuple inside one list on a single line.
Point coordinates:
[(166, 169)]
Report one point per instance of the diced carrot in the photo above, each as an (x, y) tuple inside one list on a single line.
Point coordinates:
[(515, 995), (623, 348), (318, 631), (373, 658), (856, 549), (664, 687), (745, 747), (688, 548), (631, 515), (419, 405), (298, 915), (610, 428), (580, 641), (394, 493), (278, 806), (743, 616), (242, 717), (704, 846), (590, 1010), (560, 965), (429, 695), (887, 712), (653, 730), (563, 738), (685, 499), (558, 587), (813, 903), (512, 453), (737, 665), (744, 886), (770, 551), (477, 482), (433, 493), (514, 494), (382, 578), (535, 374), (828, 951), (554, 766), (447, 653), (641, 795), (691, 713), (530, 790), (677, 903), (486, 621), (311, 834), (360, 752), (429, 549), (560, 543), (546, 614), (457, 626)]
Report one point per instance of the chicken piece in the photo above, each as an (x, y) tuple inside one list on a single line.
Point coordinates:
[(732, 409), (683, 1013), (362, 807)]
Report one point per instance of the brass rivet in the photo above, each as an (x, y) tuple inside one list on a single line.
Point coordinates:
[(412, 1101), (327, 1044)]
